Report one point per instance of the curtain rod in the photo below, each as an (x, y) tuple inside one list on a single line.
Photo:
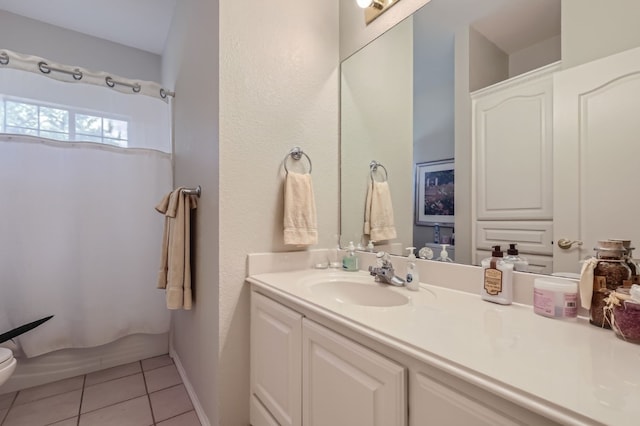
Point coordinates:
[(24, 61)]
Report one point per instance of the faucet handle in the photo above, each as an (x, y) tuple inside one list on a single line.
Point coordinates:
[(382, 259)]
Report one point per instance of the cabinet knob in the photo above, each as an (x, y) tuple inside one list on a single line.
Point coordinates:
[(565, 244)]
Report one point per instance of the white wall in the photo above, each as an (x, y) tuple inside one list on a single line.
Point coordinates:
[(278, 88), (433, 99), (377, 124), (487, 63), (192, 65), (595, 29), (535, 56), (33, 37), (462, 147)]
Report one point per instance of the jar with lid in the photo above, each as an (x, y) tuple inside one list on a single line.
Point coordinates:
[(631, 263), (610, 273)]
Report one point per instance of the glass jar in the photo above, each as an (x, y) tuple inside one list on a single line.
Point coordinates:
[(631, 263), (626, 316), (610, 273)]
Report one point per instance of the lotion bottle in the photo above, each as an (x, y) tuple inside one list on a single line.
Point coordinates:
[(497, 283), (413, 278)]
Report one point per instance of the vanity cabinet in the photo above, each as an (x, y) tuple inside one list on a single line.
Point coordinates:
[(512, 144), (306, 373), (302, 373)]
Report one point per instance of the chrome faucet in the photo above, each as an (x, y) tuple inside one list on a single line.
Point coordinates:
[(384, 272)]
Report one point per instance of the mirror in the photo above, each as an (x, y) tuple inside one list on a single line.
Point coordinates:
[(398, 107)]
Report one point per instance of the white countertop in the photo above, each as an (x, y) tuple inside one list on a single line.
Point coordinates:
[(581, 371)]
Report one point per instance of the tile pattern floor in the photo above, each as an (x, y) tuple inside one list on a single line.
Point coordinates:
[(143, 393)]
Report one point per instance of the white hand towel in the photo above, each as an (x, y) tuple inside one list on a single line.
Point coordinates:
[(378, 212), (175, 263), (300, 222)]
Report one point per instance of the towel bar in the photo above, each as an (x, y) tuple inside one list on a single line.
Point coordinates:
[(373, 166), (193, 191), (296, 153)]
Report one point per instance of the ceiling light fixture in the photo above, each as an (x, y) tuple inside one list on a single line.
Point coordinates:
[(374, 8)]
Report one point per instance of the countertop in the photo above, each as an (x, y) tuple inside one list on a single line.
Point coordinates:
[(567, 370)]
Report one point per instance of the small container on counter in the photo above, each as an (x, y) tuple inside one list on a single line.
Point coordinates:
[(555, 298)]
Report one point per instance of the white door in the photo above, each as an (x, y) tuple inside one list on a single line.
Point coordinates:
[(346, 384), (596, 155)]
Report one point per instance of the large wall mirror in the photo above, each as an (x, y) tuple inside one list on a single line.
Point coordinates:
[(398, 103), (406, 103)]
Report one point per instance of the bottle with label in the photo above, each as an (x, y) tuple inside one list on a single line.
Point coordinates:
[(520, 264), (413, 278), (350, 260), (497, 283)]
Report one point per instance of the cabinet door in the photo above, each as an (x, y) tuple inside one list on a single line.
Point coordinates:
[(345, 383), (276, 375), (596, 154), (512, 144)]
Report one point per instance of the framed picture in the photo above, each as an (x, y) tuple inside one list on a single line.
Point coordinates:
[(434, 193)]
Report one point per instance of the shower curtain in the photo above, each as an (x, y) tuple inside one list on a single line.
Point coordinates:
[(79, 237)]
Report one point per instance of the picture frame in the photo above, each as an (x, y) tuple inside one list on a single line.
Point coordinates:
[(434, 193)]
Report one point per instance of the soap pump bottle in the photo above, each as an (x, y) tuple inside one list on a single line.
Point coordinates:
[(350, 260), (444, 254), (413, 277), (520, 264), (497, 285)]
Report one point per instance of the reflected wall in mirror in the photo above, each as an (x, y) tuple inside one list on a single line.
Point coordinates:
[(407, 99)]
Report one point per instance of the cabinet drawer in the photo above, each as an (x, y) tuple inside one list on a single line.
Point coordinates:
[(531, 237), (537, 264)]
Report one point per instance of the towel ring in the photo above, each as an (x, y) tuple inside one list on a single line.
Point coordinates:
[(296, 153), (373, 165)]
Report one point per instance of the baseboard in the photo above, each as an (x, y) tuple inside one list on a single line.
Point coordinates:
[(204, 420)]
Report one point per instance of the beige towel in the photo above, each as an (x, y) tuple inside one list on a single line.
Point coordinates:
[(175, 264), (300, 222), (378, 212)]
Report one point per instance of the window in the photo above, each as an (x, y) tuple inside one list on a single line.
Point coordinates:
[(26, 117)]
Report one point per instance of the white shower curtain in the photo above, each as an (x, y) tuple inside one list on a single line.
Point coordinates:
[(79, 236)]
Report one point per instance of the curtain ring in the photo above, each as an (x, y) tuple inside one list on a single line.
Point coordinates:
[(77, 74), (109, 81), (136, 88), (44, 67), (4, 58)]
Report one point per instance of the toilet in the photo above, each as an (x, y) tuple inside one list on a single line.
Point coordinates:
[(7, 364)]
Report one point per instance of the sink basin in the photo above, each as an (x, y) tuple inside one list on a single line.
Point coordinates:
[(357, 293)]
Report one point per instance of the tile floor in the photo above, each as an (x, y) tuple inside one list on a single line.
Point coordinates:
[(143, 393)]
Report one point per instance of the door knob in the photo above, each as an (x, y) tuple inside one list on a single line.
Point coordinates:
[(565, 244)]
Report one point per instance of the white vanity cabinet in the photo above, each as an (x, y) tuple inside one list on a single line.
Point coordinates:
[(302, 373), (512, 144)]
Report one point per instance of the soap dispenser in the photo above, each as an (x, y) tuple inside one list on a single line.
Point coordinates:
[(444, 254), (413, 278), (497, 285), (350, 261), (520, 264)]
